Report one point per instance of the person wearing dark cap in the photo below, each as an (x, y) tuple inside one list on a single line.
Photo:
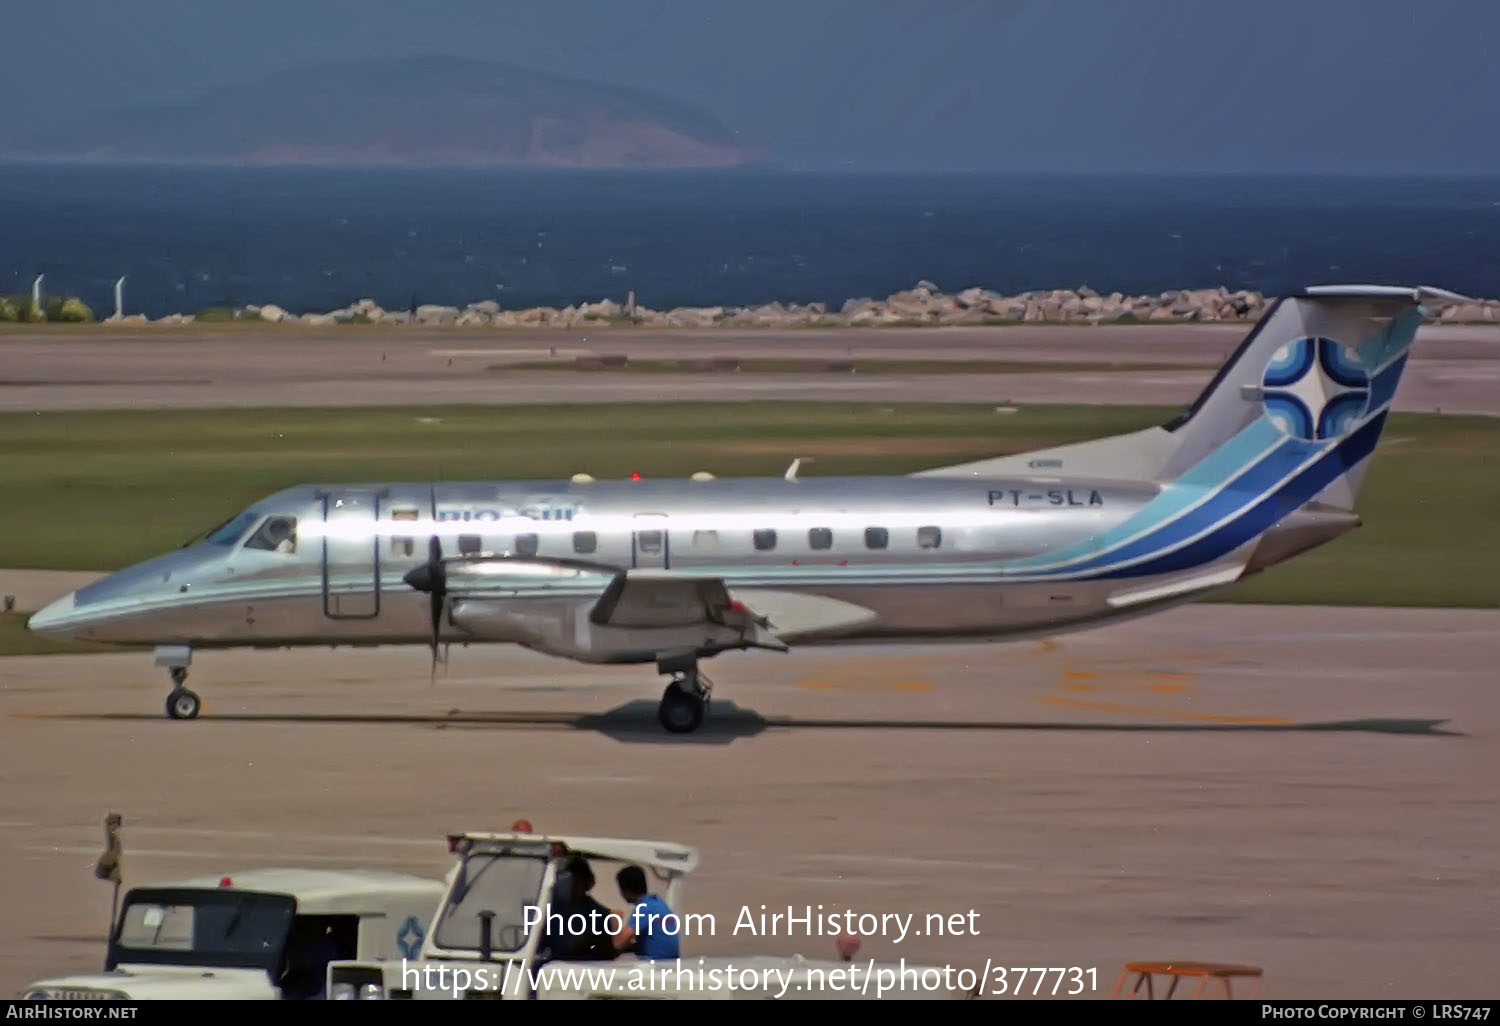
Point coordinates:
[(585, 932)]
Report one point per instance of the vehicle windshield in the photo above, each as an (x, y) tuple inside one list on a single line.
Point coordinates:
[(203, 927), (230, 530), (503, 884)]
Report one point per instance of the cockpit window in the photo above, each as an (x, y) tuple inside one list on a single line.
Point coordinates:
[(230, 530), (277, 534)]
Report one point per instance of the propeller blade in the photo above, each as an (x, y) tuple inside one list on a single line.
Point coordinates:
[(432, 577), (436, 579)]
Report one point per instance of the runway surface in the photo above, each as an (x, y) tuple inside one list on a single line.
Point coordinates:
[(1453, 369), (1308, 790)]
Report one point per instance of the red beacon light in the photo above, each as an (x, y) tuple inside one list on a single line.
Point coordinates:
[(224, 881), (521, 826), (635, 477)]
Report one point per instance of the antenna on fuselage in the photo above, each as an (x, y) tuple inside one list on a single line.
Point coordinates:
[(791, 472)]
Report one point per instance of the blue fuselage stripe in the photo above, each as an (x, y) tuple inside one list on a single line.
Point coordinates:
[(1240, 492), (1240, 455), (1266, 512)]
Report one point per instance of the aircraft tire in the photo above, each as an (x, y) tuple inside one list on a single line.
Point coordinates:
[(182, 704), (680, 712)]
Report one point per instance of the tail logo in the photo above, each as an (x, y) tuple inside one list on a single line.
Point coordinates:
[(1315, 389)]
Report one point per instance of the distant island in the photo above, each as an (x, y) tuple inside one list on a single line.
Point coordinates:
[(415, 112)]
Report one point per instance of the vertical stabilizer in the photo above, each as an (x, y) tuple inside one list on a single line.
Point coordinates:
[(1311, 383)]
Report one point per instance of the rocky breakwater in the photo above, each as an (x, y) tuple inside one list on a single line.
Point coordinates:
[(923, 305)]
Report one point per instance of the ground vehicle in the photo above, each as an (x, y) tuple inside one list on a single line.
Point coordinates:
[(259, 934), (488, 935)]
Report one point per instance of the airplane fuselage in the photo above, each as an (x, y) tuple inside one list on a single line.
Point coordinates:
[(927, 558)]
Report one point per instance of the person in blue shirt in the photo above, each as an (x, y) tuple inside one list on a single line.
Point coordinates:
[(655, 927)]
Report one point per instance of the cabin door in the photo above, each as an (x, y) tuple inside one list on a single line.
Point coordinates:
[(650, 544), (351, 555)]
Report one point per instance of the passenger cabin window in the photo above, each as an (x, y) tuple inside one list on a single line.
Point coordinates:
[(929, 537), (877, 537), (765, 540), (469, 544), (526, 544), (277, 534), (585, 541), (648, 541), (705, 541), (820, 538)]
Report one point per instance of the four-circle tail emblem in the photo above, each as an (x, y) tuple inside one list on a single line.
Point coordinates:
[(1315, 389)]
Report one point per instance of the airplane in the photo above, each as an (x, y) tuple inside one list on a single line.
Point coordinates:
[(1266, 464)]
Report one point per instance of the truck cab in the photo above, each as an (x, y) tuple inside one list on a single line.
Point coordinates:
[(492, 938), (264, 934)]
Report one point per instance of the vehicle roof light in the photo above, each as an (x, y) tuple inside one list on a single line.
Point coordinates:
[(453, 840), (521, 826), (224, 881), (635, 477)]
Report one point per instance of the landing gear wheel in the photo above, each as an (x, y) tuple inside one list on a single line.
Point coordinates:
[(681, 711), (182, 704)]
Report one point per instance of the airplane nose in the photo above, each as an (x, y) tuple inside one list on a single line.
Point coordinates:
[(54, 620)]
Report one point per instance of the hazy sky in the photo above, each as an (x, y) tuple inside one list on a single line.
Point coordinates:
[(1154, 85)]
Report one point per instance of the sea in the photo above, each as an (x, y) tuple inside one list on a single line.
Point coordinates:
[(317, 239)]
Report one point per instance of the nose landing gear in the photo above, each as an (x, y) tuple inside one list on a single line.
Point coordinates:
[(182, 704)]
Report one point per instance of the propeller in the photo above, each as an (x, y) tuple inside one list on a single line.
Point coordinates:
[(432, 577)]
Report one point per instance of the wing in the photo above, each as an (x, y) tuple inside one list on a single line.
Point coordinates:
[(636, 614), (639, 598), (661, 599)]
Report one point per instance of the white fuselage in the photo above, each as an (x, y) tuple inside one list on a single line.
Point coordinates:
[(925, 558)]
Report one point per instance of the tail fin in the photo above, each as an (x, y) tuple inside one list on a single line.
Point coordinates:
[(1299, 406), (1311, 385)]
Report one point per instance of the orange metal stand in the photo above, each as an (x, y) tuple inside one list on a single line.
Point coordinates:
[(1206, 973)]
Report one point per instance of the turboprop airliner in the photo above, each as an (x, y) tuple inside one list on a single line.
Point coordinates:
[(1266, 464)]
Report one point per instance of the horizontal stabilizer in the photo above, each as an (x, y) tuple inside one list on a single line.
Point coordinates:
[(1158, 591)]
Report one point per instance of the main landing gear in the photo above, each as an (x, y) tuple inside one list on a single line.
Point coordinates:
[(182, 704), (685, 702)]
